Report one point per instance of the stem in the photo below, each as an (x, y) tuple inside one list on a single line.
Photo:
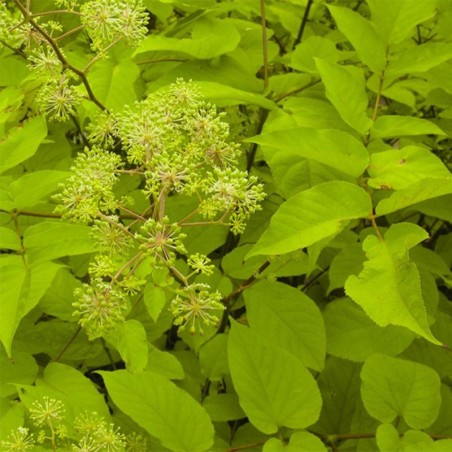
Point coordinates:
[(20, 238), (162, 205), (163, 60), (99, 56), (178, 275), (264, 42), (295, 91), (16, 51), (118, 225), (60, 56), (132, 214), (67, 345), (380, 89), (126, 265), (252, 153), (245, 446), (251, 280), (56, 11), (375, 226), (70, 32), (203, 223), (80, 131), (304, 21), (229, 300), (188, 217)]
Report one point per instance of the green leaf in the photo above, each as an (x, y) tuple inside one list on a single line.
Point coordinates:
[(210, 38), (22, 287), (290, 319), (223, 407), (399, 168), (395, 20), (415, 193), (22, 142), (313, 47), (309, 216), (387, 438), (11, 417), (20, 368), (162, 409), (154, 299), (307, 112), (213, 357), (393, 387), (362, 35), (388, 288), (331, 147), (48, 240), (79, 392), (299, 442), (352, 335), (13, 69), (223, 95), (164, 364), (274, 388), (129, 338), (396, 126), (30, 189), (346, 94), (419, 58), (349, 261), (9, 239), (113, 82), (339, 384)]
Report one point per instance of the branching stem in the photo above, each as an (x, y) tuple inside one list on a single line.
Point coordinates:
[(59, 54)]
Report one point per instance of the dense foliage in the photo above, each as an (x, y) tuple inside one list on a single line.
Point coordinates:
[(226, 225)]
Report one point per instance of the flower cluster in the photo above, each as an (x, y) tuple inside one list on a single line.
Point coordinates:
[(97, 434), (14, 31), (89, 191), (19, 440), (100, 306), (93, 433), (181, 143), (161, 240), (195, 305), (57, 98), (108, 21), (175, 144)]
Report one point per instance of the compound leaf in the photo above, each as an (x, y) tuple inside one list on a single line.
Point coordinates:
[(290, 318), (32, 188), (311, 215), (351, 334), (393, 387), (274, 388), (48, 240), (22, 288), (399, 168), (162, 409), (210, 38), (420, 191), (362, 35), (396, 126), (131, 342), (22, 142), (346, 94), (394, 21), (389, 288), (331, 147)]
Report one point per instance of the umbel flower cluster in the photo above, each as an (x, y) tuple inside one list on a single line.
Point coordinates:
[(173, 145), (104, 22), (91, 432)]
